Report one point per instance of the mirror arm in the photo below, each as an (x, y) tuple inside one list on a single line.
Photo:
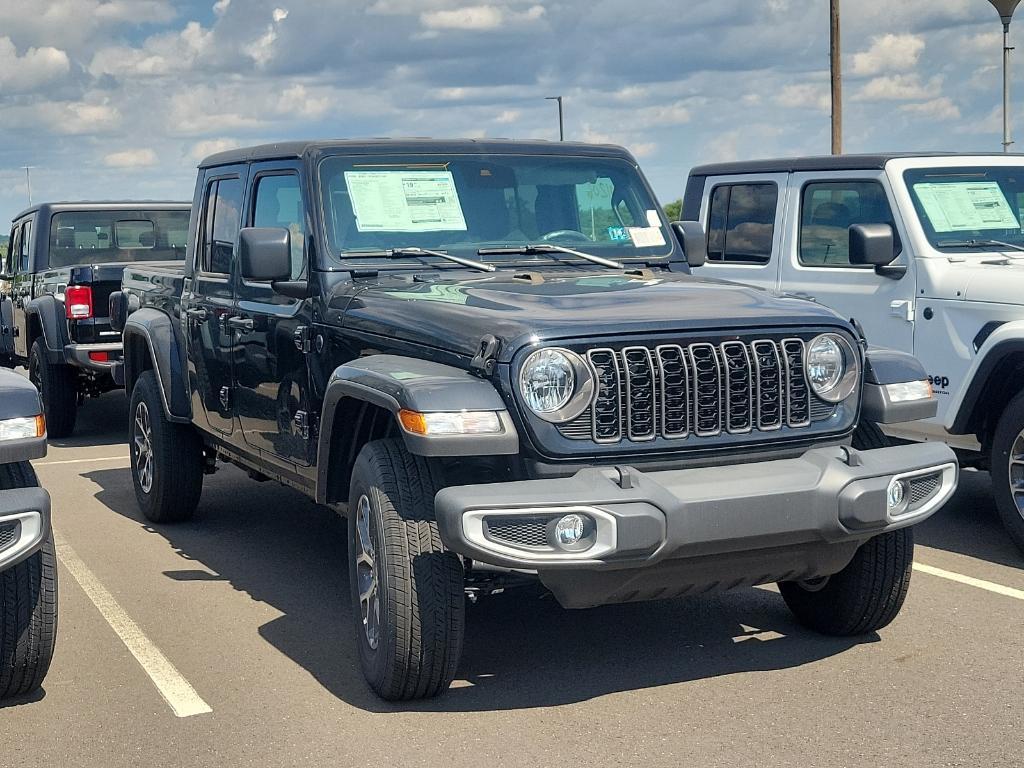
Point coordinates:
[(293, 289), (891, 272)]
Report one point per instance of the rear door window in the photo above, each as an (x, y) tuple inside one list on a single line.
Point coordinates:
[(741, 223), (223, 213)]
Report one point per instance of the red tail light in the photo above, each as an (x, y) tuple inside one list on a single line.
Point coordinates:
[(78, 302)]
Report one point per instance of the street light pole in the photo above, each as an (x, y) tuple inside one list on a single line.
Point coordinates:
[(1005, 9), (28, 182), (836, 68), (561, 122)]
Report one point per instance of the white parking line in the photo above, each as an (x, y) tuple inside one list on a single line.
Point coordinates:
[(176, 690), (79, 461), (999, 589)]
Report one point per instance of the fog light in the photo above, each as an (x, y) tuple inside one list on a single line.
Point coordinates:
[(895, 496), (569, 530)]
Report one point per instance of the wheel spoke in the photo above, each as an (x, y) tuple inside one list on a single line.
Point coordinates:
[(366, 573)]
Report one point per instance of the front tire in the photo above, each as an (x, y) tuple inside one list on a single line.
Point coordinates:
[(863, 597), (1007, 469), (408, 596), (167, 458), (58, 387), (28, 606)]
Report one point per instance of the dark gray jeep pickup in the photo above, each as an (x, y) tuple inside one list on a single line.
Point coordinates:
[(491, 357), (28, 564), (64, 261)]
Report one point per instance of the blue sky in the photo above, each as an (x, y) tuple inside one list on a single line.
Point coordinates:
[(121, 98)]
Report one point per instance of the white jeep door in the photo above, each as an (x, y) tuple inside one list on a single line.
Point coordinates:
[(821, 207), (743, 218)]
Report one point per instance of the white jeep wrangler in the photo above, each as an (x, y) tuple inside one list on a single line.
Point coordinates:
[(925, 252)]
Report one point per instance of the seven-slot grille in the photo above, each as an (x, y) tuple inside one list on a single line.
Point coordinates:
[(700, 389)]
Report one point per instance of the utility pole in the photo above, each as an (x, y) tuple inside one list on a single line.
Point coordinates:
[(561, 123), (1006, 9), (28, 182), (836, 67)]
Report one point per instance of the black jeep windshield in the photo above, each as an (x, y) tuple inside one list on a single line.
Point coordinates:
[(975, 208), (110, 236), (462, 204)]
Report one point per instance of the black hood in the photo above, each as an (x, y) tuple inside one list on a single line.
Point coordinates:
[(454, 314)]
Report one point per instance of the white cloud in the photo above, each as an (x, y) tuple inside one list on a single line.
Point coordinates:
[(262, 50), (36, 67), (899, 88), (806, 96), (889, 53), (221, 7), (508, 116), (159, 55), (203, 149), (479, 17), (131, 158), (942, 108)]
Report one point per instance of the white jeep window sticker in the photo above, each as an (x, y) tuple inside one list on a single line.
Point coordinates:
[(646, 237), (965, 205), (405, 201)]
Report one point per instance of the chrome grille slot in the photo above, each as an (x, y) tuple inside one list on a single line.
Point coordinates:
[(798, 401), (607, 406), (675, 387), (768, 368), (739, 389), (639, 375), (707, 390)]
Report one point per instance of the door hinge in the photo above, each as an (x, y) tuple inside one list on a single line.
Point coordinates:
[(303, 339), (225, 397), (304, 424)]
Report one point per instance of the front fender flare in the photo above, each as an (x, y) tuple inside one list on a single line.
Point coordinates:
[(394, 383), (1007, 339), (156, 329)]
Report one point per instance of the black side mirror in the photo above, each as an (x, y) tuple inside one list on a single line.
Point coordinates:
[(690, 235), (874, 245), (265, 253)]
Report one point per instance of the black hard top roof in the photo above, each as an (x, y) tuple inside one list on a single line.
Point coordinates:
[(826, 163), (105, 205), (298, 149)]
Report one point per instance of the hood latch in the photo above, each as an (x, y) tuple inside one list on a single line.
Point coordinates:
[(486, 356)]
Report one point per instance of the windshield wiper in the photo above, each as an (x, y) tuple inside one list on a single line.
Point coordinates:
[(978, 244), (534, 248), (388, 253)]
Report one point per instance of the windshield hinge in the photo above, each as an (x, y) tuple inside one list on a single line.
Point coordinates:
[(485, 359)]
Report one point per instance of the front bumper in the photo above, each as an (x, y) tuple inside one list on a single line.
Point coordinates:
[(80, 355), (24, 524), (664, 533)]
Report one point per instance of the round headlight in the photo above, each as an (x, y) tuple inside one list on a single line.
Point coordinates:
[(832, 367), (555, 384)]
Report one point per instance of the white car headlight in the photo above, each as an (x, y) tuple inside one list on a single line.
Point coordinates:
[(556, 384), (832, 367), (22, 427)]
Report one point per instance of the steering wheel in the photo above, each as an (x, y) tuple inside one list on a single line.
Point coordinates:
[(572, 235)]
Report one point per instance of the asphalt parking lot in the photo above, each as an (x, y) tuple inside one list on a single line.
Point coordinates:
[(239, 620)]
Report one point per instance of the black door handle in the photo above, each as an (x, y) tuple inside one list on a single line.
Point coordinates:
[(241, 323)]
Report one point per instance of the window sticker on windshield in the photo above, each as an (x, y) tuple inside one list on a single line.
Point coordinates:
[(965, 206), (653, 220), (646, 237), (405, 201), (618, 234)]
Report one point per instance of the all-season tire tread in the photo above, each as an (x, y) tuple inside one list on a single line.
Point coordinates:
[(865, 596), (59, 391), (28, 607), (425, 589)]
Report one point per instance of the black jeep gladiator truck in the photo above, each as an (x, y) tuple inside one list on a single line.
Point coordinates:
[(490, 356), (28, 563), (63, 262)]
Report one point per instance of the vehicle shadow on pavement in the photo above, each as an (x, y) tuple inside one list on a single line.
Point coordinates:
[(969, 524), (522, 649), (101, 421)]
